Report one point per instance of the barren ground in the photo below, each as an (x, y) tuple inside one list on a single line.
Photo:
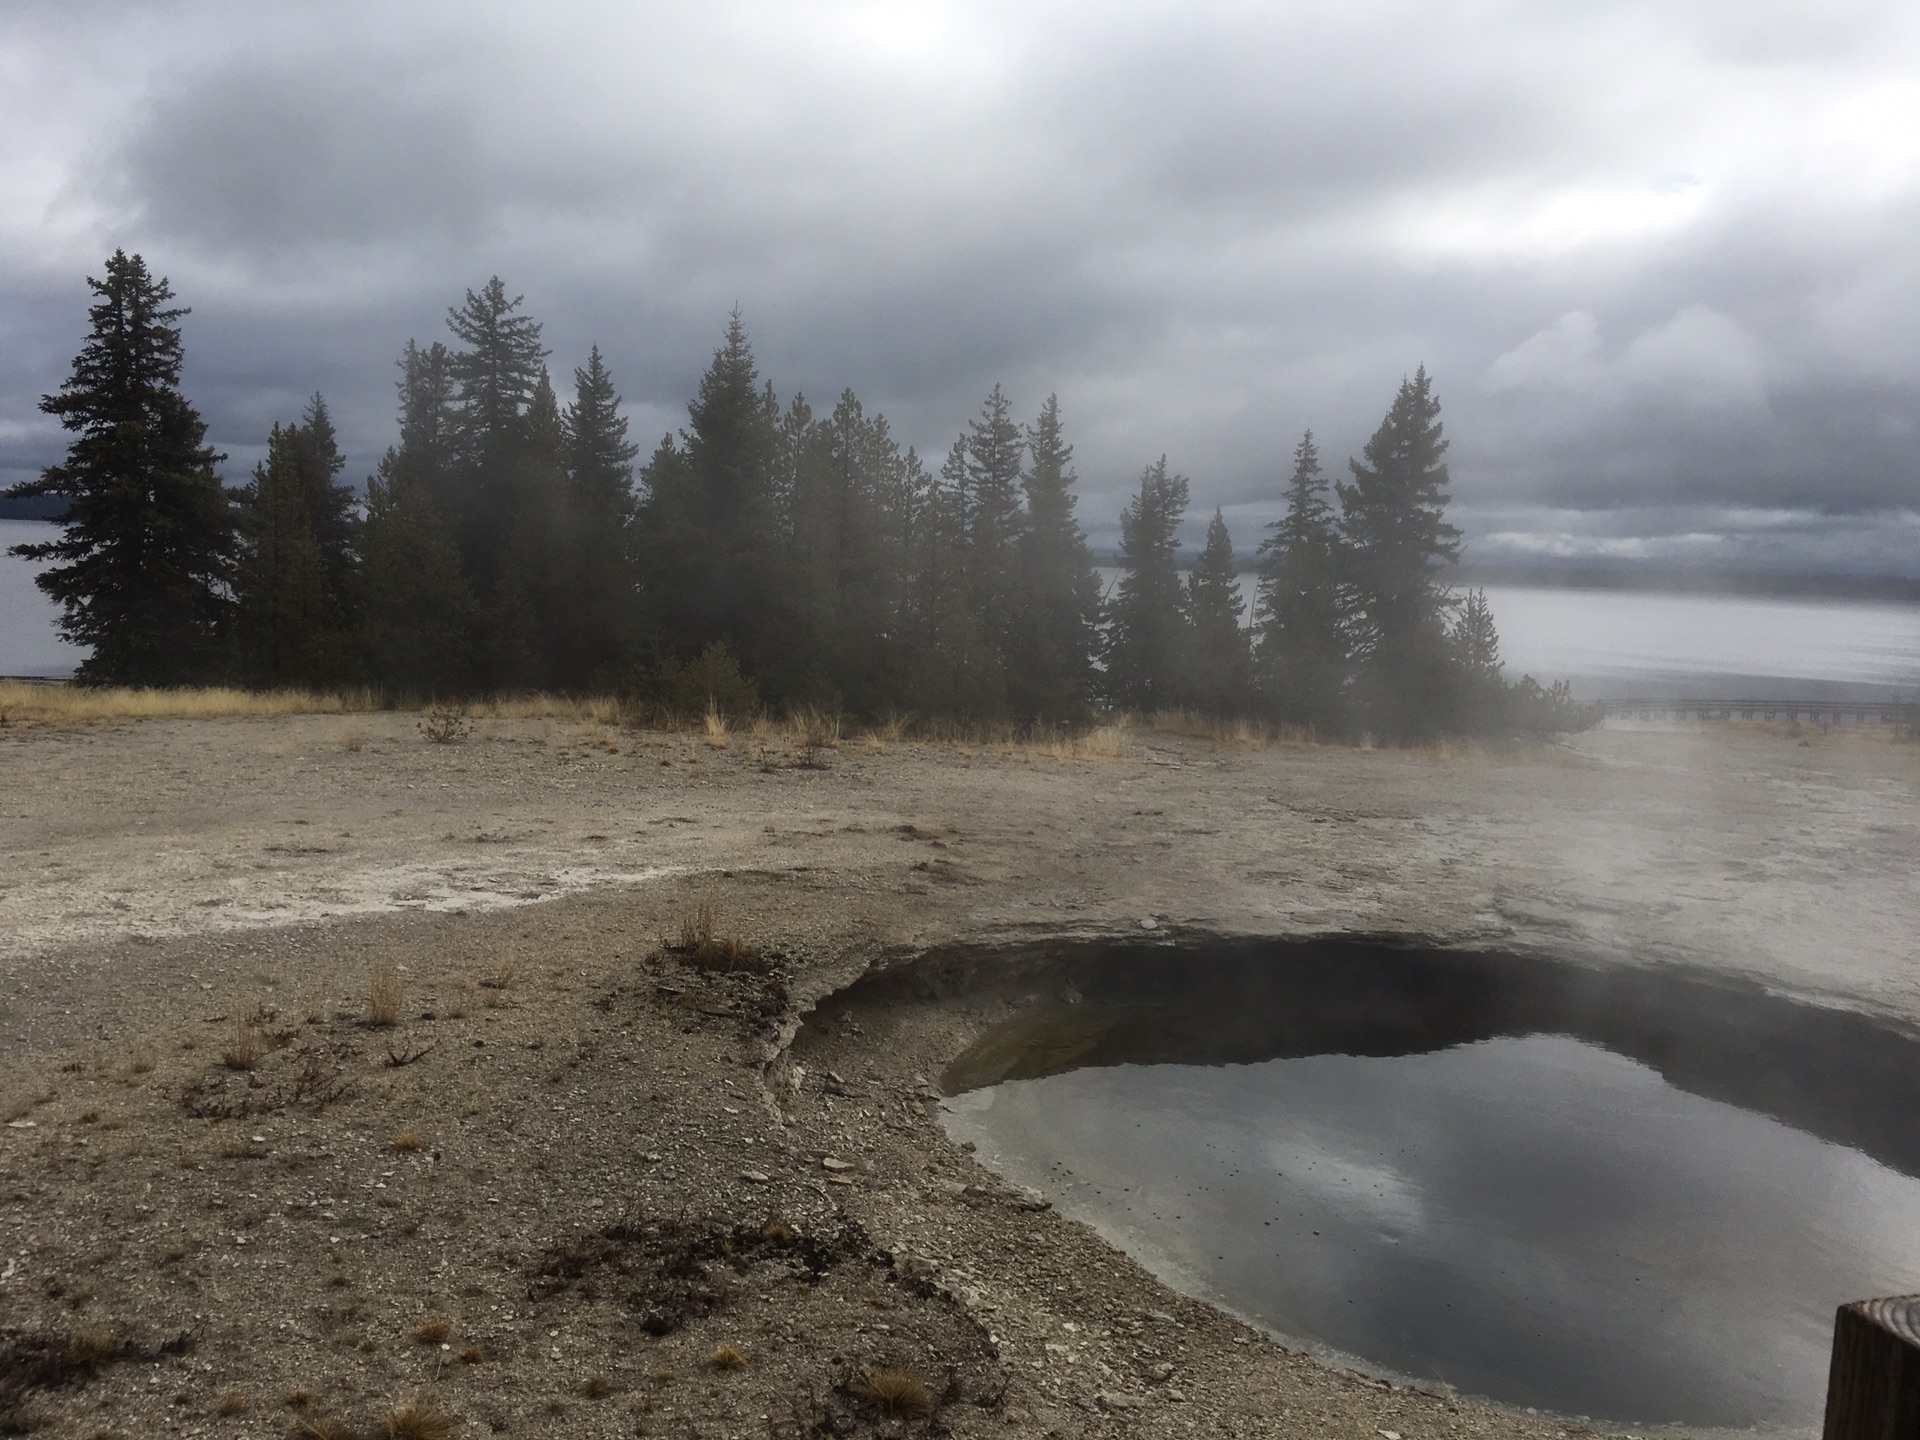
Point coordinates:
[(540, 1204)]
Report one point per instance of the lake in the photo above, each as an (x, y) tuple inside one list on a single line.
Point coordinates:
[(1607, 642), (28, 643)]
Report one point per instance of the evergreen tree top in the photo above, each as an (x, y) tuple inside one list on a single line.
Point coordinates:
[(132, 351), (501, 365)]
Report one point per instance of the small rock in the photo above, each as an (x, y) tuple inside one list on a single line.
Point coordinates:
[(1178, 1397), (835, 1165), (755, 1177), (1160, 1374), (23, 1124), (1389, 1435), (1120, 1400)]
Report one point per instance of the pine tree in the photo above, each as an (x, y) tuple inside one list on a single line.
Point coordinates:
[(1475, 644), (1393, 520), (1219, 660), (714, 569), (294, 580), (1301, 656), (1147, 627), (508, 463), (994, 450), (416, 609), (146, 554), (1050, 663), (949, 667), (596, 637)]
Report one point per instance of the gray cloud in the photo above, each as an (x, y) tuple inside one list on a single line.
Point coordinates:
[(1659, 262)]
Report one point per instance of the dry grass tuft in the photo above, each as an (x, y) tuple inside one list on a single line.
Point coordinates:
[(725, 1357), (711, 951), (353, 741), (472, 1355), (408, 1140), (140, 1062), (417, 1419), (327, 1428), (434, 1330), (503, 976), (898, 1392), (245, 1046), (718, 733), (598, 1387), (231, 1403), (64, 704), (301, 1399), (385, 992)]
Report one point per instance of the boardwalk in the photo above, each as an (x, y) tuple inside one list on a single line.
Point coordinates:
[(1808, 712)]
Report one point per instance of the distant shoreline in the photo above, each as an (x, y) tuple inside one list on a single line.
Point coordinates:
[(1893, 589)]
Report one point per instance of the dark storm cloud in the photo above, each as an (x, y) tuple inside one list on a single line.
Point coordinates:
[(1659, 263)]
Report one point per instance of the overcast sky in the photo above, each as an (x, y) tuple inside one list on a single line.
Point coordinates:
[(1662, 259)]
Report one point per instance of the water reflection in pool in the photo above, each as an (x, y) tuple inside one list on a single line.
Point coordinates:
[(1526, 1216)]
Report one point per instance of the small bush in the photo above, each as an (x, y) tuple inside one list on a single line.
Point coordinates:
[(417, 1420), (385, 992), (898, 1392), (445, 727), (244, 1046)]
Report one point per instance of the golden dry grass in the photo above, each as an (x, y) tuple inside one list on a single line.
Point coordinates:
[(700, 942), (717, 731), (385, 993), (408, 1140), (726, 1357), (231, 1403), (244, 1047), (898, 1392), (76, 704), (326, 1428), (505, 970), (417, 1419)]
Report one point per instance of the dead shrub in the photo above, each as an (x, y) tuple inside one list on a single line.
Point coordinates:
[(505, 970), (445, 727), (898, 1392), (700, 944), (407, 1140), (385, 993), (434, 1330), (231, 1403), (417, 1419), (244, 1047), (726, 1357)]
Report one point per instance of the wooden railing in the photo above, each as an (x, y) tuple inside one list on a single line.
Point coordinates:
[(1873, 1385), (1807, 712)]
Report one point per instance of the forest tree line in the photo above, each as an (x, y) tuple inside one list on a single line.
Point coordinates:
[(765, 555)]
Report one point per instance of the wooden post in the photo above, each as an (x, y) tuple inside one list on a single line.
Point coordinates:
[(1873, 1386)]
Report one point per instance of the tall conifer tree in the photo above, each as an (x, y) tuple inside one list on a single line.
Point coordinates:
[(1147, 627), (145, 558), (1050, 662), (995, 448), (1219, 660), (293, 587), (1398, 541), (417, 611), (1301, 655), (597, 634)]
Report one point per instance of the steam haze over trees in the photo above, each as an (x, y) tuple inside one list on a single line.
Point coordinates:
[(763, 554)]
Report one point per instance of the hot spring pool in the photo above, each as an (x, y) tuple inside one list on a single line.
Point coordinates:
[(1634, 1196)]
